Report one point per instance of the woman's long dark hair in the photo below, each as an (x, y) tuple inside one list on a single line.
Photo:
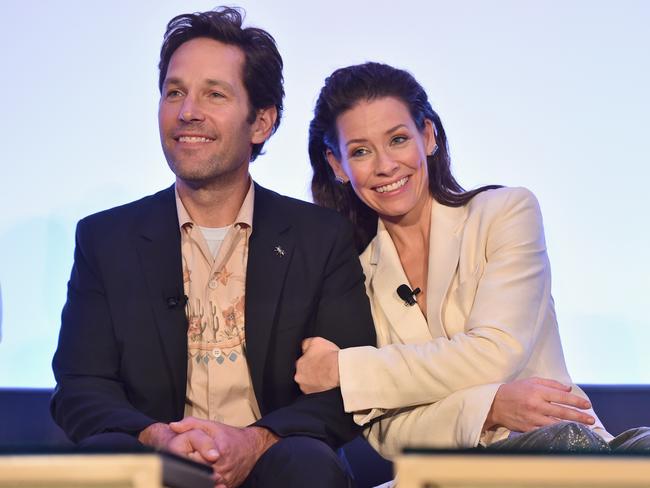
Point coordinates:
[(370, 81)]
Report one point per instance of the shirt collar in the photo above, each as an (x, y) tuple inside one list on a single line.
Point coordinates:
[(244, 216)]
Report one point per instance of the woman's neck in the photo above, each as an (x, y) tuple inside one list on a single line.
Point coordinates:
[(411, 238), (411, 230)]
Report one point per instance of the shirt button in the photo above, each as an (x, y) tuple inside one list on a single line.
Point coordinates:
[(212, 284)]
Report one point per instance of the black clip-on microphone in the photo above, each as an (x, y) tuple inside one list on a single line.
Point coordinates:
[(408, 295), (176, 301)]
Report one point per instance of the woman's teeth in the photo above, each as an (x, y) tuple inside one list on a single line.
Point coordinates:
[(392, 186)]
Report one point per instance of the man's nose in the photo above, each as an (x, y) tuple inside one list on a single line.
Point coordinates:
[(190, 111)]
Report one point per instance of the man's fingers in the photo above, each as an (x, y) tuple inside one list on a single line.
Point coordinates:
[(196, 445), (180, 427), (223, 476), (204, 445), (184, 425), (190, 423), (196, 456), (219, 481)]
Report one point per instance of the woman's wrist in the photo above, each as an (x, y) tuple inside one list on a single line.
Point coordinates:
[(491, 421)]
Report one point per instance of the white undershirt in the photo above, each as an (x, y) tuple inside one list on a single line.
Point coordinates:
[(214, 237)]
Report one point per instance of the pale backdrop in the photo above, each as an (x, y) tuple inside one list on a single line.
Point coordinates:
[(551, 95)]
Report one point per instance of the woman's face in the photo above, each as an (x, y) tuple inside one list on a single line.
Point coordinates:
[(384, 156)]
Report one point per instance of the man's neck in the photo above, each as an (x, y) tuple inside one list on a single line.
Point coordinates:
[(213, 205)]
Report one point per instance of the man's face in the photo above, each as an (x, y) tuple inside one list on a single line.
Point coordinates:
[(203, 114)]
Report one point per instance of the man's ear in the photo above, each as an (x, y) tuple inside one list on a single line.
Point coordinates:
[(263, 124), (336, 166)]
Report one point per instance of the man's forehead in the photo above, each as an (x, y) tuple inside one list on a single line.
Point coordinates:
[(205, 48), (213, 61)]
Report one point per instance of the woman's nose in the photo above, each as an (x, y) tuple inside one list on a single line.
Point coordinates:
[(385, 165)]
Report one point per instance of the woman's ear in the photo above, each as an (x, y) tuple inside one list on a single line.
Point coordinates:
[(336, 166), (429, 137)]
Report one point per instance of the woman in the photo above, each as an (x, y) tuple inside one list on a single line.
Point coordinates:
[(458, 367)]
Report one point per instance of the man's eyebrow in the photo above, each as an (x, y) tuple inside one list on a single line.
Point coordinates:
[(172, 81), (209, 82), (212, 82)]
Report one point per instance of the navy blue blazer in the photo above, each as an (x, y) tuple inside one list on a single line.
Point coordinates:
[(121, 360)]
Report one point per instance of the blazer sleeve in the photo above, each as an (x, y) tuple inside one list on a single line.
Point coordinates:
[(511, 301), (341, 315), (89, 397), (454, 422)]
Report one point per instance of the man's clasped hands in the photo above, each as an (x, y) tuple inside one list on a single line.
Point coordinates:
[(231, 451)]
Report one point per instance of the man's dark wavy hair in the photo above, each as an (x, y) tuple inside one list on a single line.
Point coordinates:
[(262, 74), (342, 91)]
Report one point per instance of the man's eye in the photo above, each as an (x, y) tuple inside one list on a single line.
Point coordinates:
[(216, 95), (174, 93)]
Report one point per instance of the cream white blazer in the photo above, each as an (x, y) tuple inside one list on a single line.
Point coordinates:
[(490, 320)]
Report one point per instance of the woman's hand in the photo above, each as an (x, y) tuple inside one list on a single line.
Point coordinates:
[(524, 405), (318, 367)]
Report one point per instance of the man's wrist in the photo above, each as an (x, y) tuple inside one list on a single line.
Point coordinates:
[(262, 439), (156, 435), (335, 370)]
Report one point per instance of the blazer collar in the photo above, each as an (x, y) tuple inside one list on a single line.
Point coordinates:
[(444, 249), (270, 250), (444, 253), (159, 249), (406, 322)]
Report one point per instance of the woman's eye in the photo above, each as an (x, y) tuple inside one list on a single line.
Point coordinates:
[(358, 152), (399, 140)]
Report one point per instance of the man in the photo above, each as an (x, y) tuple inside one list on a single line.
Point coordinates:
[(186, 309)]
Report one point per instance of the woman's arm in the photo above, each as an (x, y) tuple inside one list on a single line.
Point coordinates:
[(454, 422), (521, 405), (511, 303), (473, 415)]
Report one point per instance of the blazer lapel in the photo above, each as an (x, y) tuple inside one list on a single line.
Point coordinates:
[(444, 252), (269, 253), (407, 322), (159, 250)]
